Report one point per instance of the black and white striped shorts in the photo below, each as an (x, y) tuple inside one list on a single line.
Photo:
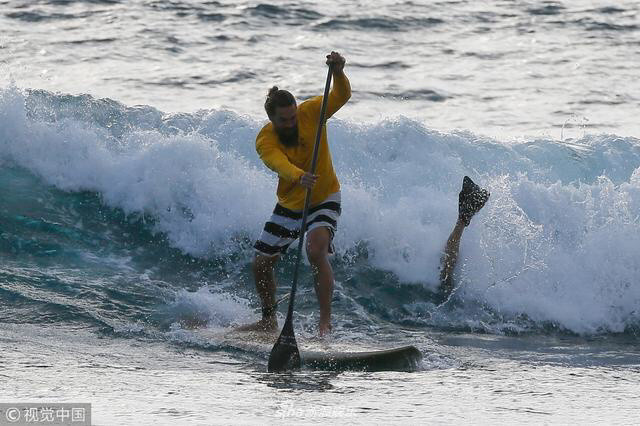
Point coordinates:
[(283, 227)]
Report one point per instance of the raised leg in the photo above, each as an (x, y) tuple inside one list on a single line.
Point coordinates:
[(470, 200), (450, 258)]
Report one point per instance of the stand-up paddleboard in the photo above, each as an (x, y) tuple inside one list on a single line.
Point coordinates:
[(319, 355), (406, 358)]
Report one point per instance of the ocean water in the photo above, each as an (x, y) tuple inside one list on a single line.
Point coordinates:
[(131, 195)]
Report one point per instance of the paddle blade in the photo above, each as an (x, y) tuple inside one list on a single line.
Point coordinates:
[(284, 355)]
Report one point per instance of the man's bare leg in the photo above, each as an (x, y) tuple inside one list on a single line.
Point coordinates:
[(318, 241), (450, 258), (264, 275), (470, 200)]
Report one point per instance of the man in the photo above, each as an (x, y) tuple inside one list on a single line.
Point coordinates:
[(470, 200), (285, 145)]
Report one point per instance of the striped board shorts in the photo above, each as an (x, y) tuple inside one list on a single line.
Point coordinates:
[(283, 227)]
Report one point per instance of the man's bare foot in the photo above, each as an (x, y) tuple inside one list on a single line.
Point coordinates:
[(265, 324), (470, 200), (324, 329)]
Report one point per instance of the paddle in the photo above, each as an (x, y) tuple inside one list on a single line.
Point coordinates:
[(285, 354)]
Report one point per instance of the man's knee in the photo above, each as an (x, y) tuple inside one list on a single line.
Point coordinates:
[(318, 244)]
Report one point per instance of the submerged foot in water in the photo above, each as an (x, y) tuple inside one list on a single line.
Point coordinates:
[(470, 200)]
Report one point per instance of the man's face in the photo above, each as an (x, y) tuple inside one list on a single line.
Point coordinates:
[(285, 123)]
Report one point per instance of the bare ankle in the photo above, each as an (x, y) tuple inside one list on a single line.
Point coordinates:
[(269, 323), (324, 328)]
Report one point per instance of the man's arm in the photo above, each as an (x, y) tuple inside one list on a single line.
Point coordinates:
[(273, 157), (341, 88)]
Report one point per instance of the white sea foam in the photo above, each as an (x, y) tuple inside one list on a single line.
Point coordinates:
[(200, 195), (557, 240), (206, 307)]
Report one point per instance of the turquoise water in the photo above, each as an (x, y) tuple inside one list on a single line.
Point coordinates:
[(114, 248)]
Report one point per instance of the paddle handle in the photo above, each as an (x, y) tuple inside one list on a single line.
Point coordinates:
[(307, 198)]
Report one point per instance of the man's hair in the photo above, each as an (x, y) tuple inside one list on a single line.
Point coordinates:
[(277, 98)]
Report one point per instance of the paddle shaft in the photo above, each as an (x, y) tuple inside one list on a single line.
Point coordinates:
[(307, 198), (285, 353)]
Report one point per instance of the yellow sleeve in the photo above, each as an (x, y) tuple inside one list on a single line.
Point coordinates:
[(275, 159), (339, 94)]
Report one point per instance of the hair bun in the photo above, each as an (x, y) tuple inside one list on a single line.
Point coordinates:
[(272, 91), (277, 98)]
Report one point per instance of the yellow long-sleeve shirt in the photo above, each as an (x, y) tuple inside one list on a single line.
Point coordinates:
[(292, 162)]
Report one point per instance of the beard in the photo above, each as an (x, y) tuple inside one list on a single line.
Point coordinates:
[(288, 135)]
